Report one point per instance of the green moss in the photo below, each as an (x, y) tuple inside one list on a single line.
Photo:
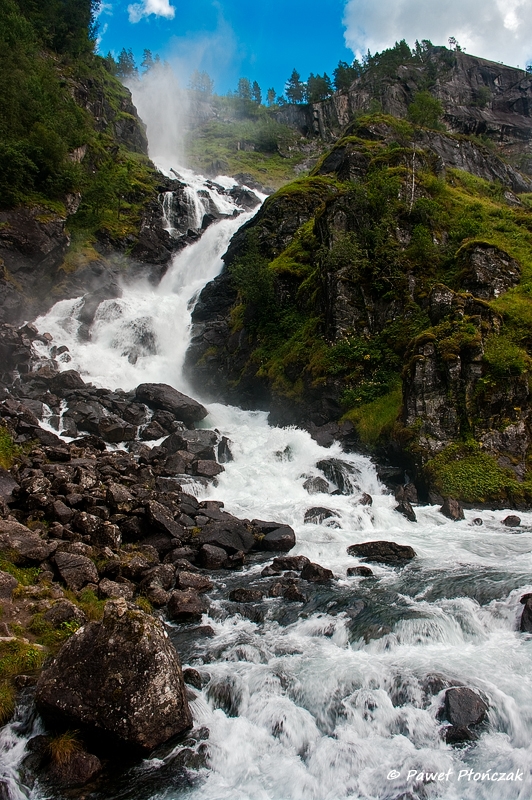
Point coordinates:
[(503, 358), (89, 602), (466, 472), (50, 637), (16, 658), (8, 449), (373, 421), (26, 576)]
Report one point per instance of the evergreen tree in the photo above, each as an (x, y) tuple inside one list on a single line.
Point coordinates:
[(244, 89), (256, 94), (319, 87), (345, 74), (147, 61), (270, 96), (295, 88), (425, 110), (126, 67)]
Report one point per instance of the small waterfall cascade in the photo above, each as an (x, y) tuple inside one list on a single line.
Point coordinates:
[(337, 698)]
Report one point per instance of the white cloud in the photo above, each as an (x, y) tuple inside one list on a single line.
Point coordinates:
[(499, 30), (160, 8)]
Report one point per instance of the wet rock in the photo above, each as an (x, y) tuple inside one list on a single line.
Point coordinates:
[(76, 770), (191, 580), (212, 557), (75, 570), (366, 500), (270, 572), (294, 594), (276, 537), (318, 514), (160, 395), (463, 707), (64, 611), (296, 563), (69, 379), (315, 573), (452, 509), (192, 677), (17, 539), (456, 735), (382, 551), (477, 521), (186, 606), (243, 595), (406, 510), (207, 469), (121, 675), (407, 492), (512, 521), (526, 617), (316, 485), (224, 451), (361, 571), (341, 473)]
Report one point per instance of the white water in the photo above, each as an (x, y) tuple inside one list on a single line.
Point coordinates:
[(325, 705)]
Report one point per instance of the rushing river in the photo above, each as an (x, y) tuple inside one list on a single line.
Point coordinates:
[(338, 697)]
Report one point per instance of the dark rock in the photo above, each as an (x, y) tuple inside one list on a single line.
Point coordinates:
[(276, 537), (69, 379), (186, 606), (121, 675), (314, 573), (463, 707), (270, 572), (406, 510), (212, 557), (452, 509), (77, 770), (160, 395), (364, 572), (208, 469), (341, 473), (296, 563), (316, 485), (456, 735), (76, 570), (224, 451), (62, 513), (242, 595), (191, 580), (27, 545), (119, 499), (161, 520), (294, 594), (7, 484), (64, 611), (382, 551), (511, 521), (318, 514), (477, 521), (231, 535), (366, 500), (406, 492), (192, 677), (526, 617)]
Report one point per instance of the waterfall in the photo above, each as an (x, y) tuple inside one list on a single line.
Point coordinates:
[(339, 697)]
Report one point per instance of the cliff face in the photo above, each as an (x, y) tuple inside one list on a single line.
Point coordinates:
[(479, 97), (389, 288)]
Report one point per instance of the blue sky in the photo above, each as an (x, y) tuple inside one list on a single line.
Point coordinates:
[(264, 40), (256, 39)]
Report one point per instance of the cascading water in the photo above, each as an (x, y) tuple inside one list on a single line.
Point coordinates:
[(339, 697)]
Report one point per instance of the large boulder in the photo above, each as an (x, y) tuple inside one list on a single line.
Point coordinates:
[(76, 570), (121, 676), (275, 537), (231, 535), (383, 552), (160, 395), (463, 707), (21, 544)]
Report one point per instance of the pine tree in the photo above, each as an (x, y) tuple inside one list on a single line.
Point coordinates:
[(270, 96), (244, 89), (126, 67), (295, 88), (256, 94)]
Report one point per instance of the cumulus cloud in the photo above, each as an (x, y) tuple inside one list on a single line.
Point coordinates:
[(499, 30), (160, 8)]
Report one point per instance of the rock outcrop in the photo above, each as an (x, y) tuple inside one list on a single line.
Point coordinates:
[(120, 676)]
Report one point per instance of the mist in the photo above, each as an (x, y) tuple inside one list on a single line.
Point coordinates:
[(163, 106)]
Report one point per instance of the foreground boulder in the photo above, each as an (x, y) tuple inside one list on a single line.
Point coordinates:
[(452, 509), (383, 552), (121, 676), (160, 395), (462, 708)]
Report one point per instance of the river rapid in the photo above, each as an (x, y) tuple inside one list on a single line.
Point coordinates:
[(337, 697)]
